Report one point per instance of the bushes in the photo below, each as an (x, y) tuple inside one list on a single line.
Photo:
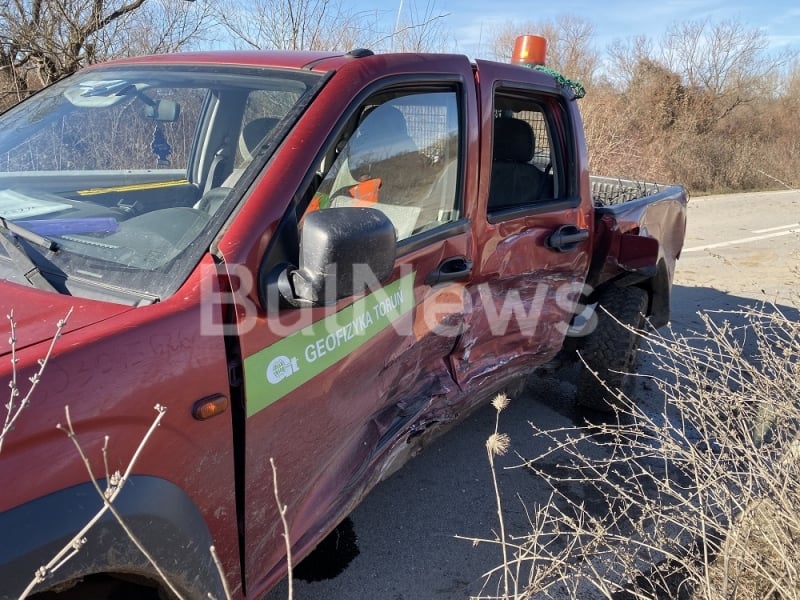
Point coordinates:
[(627, 137), (700, 491)]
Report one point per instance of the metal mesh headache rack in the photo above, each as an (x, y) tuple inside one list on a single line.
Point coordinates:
[(609, 191)]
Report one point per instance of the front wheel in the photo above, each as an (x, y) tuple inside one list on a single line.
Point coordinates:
[(611, 349)]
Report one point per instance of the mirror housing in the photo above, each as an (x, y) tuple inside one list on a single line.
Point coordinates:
[(163, 110), (341, 250)]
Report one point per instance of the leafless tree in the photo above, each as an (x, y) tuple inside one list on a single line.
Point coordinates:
[(724, 65), (44, 40), (333, 25), (623, 58), (420, 29), (162, 26), (569, 45), (296, 25)]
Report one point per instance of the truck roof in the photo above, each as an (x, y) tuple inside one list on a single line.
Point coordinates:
[(292, 59), (254, 58), (312, 60)]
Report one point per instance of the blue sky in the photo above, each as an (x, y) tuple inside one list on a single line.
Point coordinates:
[(470, 22)]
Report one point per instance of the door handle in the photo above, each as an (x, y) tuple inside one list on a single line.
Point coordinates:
[(450, 269), (566, 238)]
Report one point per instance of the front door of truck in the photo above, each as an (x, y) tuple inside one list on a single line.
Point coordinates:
[(532, 225), (329, 390)]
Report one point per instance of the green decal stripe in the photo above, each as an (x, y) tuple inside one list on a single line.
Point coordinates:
[(284, 366)]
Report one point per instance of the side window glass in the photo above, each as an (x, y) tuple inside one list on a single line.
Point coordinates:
[(263, 109), (401, 158), (524, 165)]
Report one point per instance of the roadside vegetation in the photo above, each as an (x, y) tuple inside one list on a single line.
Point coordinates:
[(708, 104), (701, 491)]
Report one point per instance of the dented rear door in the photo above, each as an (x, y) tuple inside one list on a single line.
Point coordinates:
[(533, 224)]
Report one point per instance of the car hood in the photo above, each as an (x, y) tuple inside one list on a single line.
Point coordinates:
[(36, 314)]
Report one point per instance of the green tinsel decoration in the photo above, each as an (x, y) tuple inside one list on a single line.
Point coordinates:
[(577, 86)]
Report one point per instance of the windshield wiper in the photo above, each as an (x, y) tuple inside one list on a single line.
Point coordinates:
[(22, 259), (27, 234)]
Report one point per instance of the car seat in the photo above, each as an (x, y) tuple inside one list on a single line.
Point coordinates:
[(252, 134), (515, 180)]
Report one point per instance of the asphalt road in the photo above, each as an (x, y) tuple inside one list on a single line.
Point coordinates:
[(741, 249)]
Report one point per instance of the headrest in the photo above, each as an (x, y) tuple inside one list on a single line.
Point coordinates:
[(513, 140), (252, 134), (382, 133)]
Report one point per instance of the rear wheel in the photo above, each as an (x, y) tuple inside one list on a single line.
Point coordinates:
[(611, 349)]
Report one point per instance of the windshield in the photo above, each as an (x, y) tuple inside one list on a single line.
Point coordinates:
[(131, 170)]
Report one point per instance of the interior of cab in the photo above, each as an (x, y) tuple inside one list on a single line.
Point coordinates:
[(124, 167), (399, 155), (524, 172), (515, 180)]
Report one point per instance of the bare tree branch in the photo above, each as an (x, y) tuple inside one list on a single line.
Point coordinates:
[(282, 508), (13, 411), (417, 35), (296, 25), (44, 40)]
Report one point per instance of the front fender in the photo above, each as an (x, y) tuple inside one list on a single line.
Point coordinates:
[(159, 513)]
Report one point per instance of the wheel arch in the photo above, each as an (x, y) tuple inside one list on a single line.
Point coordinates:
[(656, 281), (161, 515)]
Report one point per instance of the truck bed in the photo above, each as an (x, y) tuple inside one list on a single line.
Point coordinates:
[(611, 191), (627, 211)]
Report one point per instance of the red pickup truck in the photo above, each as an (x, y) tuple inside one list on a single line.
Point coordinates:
[(312, 260)]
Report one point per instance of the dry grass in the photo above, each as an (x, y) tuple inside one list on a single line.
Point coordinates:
[(659, 135), (699, 495)]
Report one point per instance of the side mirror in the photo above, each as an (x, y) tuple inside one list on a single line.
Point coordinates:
[(341, 250)]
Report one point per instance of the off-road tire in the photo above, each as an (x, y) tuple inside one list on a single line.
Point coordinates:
[(611, 348)]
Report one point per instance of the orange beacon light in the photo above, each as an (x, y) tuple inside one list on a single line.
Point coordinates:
[(529, 50)]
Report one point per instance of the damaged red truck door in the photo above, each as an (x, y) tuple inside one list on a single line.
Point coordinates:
[(532, 220), (331, 390)]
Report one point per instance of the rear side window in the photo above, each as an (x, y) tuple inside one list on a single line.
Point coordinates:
[(526, 170)]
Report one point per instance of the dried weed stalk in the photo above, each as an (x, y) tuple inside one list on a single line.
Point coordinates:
[(15, 407), (696, 497), (115, 482)]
